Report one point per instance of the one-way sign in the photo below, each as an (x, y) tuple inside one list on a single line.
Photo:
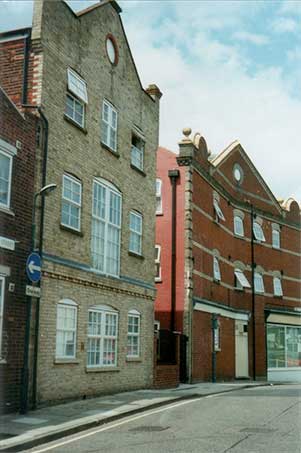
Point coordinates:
[(33, 267)]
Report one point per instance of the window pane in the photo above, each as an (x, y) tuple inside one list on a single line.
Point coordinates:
[(293, 342), (276, 346), (5, 163)]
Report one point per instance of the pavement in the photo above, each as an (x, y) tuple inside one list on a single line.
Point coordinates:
[(21, 432)]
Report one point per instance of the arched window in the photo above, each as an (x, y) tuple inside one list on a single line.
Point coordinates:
[(277, 286), (238, 226), (216, 269), (66, 326), (275, 236), (258, 283)]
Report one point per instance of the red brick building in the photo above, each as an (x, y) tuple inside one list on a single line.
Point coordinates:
[(232, 273), (17, 155)]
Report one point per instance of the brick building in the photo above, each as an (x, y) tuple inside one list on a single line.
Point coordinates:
[(236, 260), (98, 146), (17, 160)]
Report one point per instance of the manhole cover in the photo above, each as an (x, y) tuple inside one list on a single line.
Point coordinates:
[(148, 429), (258, 430)]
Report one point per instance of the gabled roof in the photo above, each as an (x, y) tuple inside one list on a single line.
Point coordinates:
[(97, 5), (237, 147), (13, 105)]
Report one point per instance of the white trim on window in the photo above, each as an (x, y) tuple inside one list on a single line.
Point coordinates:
[(2, 292), (275, 238), (5, 178), (216, 269), (219, 212), (241, 279), (77, 85), (106, 227), (277, 286), (109, 119), (102, 337), (258, 283), (159, 208), (71, 202), (238, 226), (258, 232), (158, 262), (135, 243), (137, 152), (133, 335), (66, 329)]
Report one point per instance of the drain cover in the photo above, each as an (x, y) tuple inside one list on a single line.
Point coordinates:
[(148, 429), (258, 430)]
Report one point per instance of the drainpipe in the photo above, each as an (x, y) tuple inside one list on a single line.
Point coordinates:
[(253, 292), (25, 67), (173, 175)]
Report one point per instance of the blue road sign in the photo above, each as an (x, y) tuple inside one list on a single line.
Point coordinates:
[(33, 267)]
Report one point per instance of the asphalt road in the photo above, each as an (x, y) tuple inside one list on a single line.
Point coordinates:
[(259, 420)]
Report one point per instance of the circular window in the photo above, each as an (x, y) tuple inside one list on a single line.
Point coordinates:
[(237, 173), (111, 49)]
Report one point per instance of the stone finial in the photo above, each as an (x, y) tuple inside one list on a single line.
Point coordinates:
[(186, 132), (154, 91)]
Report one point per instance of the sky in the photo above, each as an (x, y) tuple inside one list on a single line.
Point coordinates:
[(230, 70)]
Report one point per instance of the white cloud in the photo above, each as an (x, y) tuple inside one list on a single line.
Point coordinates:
[(284, 25), (252, 38)]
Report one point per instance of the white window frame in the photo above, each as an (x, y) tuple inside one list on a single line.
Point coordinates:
[(137, 154), (258, 283), (2, 293), (72, 117), (77, 85), (218, 211), (158, 261), (238, 226), (109, 189), (258, 232), (78, 205), (72, 306), (103, 310), (241, 279), (10, 157), (277, 286), (275, 239), (111, 129), (216, 269), (135, 233), (134, 314), (159, 205)]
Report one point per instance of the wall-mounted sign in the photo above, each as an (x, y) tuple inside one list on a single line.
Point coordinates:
[(6, 243), (33, 291)]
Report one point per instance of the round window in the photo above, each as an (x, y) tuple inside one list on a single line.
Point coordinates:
[(111, 50), (237, 173)]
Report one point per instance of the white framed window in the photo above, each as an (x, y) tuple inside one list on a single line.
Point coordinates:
[(258, 232), (109, 125), (2, 290), (75, 110), (218, 211), (277, 286), (66, 323), (71, 202), (106, 228), (238, 226), (283, 346), (137, 152), (6, 164), (77, 85), (241, 279), (133, 337), (102, 337), (159, 209), (135, 245), (275, 238), (216, 269), (258, 283), (158, 262)]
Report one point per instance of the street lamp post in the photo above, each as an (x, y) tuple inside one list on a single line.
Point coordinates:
[(46, 190)]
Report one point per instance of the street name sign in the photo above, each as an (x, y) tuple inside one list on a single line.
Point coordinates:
[(33, 267), (33, 291)]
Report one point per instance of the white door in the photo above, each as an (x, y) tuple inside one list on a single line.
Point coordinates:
[(241, 350)]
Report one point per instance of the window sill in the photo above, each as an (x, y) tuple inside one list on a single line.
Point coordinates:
[(278, 297), (241, 290), (101, 369), (138, 170), (159, 213), (115, 153), (238, 236), (3, 362), (7, 211), (133, 359), (65, 361), (74, 123), (215, 280), (136, 255), (159, 280), (71, 230)]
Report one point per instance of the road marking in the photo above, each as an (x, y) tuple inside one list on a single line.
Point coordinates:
[(123, 422)]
